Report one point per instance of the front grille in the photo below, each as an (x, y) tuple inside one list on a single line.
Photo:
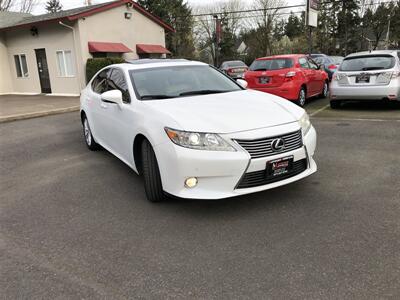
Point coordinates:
[(258, 178), (262, 147)]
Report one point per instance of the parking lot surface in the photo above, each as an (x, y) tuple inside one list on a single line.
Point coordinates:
[(76, 224)]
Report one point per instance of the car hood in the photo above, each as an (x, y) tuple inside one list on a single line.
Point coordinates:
[(228, 112)]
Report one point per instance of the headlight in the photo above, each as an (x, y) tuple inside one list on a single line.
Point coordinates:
[(305, 123), (197, 140)]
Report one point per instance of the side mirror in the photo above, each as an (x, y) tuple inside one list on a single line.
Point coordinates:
[(113, 96), (321, 67), (242, 83)]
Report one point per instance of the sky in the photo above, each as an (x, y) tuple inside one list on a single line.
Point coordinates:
[(67, 4)]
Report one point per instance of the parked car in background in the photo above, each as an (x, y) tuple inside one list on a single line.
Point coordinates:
[(367, 76), (337, 60), (327, 62), (234, 68), (295, 77), (195, 133)]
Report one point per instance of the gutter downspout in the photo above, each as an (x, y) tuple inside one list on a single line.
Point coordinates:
[(78, 73)]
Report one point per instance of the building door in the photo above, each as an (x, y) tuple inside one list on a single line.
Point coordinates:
[(43, 70)]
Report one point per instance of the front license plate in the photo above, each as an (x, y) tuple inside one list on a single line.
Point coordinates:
[(280, 166), (362, 79), (263, 80)]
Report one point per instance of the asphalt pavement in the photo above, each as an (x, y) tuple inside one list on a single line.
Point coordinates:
[(76, 224)]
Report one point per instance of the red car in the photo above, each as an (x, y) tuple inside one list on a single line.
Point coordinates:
[(295, 77)]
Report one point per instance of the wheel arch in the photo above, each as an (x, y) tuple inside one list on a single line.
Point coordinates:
[(137, 151), (83, 115)]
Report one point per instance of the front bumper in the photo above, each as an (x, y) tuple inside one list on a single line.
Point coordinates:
[(220, 172), (348, 92)]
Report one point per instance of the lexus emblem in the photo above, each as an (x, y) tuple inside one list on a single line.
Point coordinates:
[(278, 144)]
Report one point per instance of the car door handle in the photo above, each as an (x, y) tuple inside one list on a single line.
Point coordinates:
[(103, 106)]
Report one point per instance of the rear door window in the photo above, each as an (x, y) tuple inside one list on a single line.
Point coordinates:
[(367, 63), (271, 64)]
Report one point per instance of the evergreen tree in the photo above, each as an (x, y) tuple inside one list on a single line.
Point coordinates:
[(293, 26), (53, 6), (347, 23), (179, 15)]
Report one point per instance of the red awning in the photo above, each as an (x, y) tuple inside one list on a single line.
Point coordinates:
[(108, 47), (151, 49)]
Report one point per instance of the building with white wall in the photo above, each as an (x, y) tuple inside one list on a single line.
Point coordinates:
[(48, 53)]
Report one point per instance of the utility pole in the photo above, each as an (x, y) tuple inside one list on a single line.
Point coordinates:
[(309, 29), (217, 39)]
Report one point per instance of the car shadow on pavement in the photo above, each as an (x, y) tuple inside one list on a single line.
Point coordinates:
[(371, 105)]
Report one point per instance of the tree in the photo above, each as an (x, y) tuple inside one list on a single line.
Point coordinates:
[(179, 15), (293, 26), (6, 5), (53, 6), (23, 6), (264, 23), (205, 30), (347, 22)]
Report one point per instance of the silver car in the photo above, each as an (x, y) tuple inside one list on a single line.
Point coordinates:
[(371, 75)]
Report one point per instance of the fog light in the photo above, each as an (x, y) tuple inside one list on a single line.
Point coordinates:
[(191, 182)]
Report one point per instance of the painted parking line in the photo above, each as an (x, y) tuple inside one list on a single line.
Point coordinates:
[(319, 110)]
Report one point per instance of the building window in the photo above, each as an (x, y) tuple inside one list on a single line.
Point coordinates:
[(21, 66), (65, 64)]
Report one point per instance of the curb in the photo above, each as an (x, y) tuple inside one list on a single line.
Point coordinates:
[(38, 114)]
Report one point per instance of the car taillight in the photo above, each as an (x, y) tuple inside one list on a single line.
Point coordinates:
[(395, 75), (229, 70), (338, 76), (332, 67)]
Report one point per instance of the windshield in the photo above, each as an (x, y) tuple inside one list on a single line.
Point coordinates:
[(337, 59), (231, 64), (370, 62), (180, 81), (271, 64), (323, 60)]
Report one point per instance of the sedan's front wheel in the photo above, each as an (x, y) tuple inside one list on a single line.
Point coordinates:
[(151, 174), (87, 134)]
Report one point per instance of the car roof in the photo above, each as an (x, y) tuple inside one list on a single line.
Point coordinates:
[(281, 56), (318, 55), (232, 61), (156, 63), (375, 52)]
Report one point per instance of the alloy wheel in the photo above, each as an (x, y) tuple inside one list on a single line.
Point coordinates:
[(302, 97), (86, 130)]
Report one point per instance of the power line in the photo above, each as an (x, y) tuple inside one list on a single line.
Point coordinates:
[(277, 8)]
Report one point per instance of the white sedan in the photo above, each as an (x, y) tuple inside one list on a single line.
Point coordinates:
[(193, 132)]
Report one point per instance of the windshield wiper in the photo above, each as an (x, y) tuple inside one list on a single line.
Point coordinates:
[(149, 97), (203, 92), (255, 70)]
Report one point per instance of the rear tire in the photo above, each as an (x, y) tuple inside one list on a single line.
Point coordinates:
[(335, 104), (301, 100), (325, 90), (151, 174), (87, 134)]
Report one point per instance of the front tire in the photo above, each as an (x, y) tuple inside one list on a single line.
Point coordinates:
[(87, 134), (151, 174), (335, 104)]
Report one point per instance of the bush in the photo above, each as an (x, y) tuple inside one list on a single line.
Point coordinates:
[(93, 65)]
